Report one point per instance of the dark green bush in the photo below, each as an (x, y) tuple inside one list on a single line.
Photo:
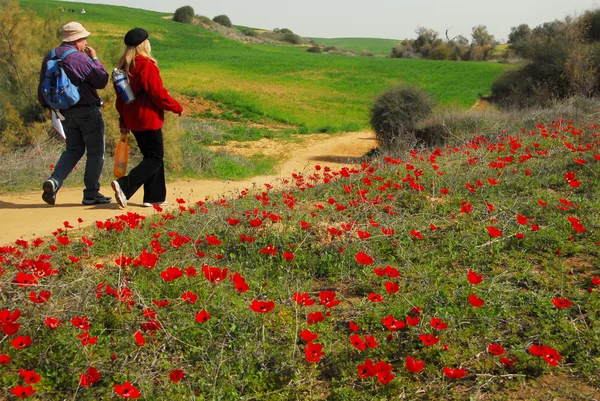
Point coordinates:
[(250, 32), (314, 49), (396, 113), (223, 20), (184, 14), (292, 38)]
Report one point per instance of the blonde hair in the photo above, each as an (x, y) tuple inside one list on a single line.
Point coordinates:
[(127, 60)]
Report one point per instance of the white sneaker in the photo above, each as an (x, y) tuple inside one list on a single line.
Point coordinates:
[(148, 204), (119, 195)]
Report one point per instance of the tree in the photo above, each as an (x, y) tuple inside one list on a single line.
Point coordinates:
[(223, 20), (519, 33), (184, 14), (481, 36)]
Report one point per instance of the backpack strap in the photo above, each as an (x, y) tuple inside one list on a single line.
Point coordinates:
[(65, 54)]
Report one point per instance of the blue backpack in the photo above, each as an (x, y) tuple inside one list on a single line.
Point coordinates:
[(58, 90)]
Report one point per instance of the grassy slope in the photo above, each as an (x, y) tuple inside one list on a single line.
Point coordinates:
[(374, 45), (286, 84)]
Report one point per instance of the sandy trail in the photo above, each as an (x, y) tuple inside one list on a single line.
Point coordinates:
[(25, 215)]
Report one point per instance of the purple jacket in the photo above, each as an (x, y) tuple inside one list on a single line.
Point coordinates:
[(88, 74)]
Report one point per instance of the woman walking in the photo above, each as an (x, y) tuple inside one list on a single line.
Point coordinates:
[(144, 117)]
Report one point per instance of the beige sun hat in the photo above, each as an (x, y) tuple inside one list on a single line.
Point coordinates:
[(74, 31)]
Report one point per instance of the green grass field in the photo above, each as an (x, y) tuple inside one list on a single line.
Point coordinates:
[(381, 47), (285, 84)]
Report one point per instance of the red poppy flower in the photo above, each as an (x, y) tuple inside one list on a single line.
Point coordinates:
[(30, 376), (23, 391), (327, 298), (455, 374), (391, 287), (203, 316), (308, 336), (561, 303), (412, 321), (474, 278), (416, 234), (429, 339), (303, 299), (52, 322), (176, 375), (371, 342), (313, 352), (414, 366), (391, 272), (189, 297), (89, 378), (438, 324), (163, 302), (373, 297), (508, 362), (385, 377), (40, 298), (476, 302), (520, 235), (496, 349), (366, 369), (522, 220), (551, 356), (86, 339), (126, 390), (21, 342), (494, 232), (139, 338), (363, 258), (81, 323), (595, 281), (363, 234), (315, 317), (214, 274), (4, 359), (171, 273), (255, 222), (392, 324), (357, 342), (262, 306)]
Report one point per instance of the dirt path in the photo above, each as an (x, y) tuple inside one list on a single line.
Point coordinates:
[(26, 216)]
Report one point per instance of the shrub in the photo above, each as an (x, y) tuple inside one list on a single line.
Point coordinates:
[(223, 20), (314, 49), (250, 32), (292, 38), (184, 14), (396, 113)]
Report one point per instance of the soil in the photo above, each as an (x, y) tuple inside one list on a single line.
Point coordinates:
[(26, 216)]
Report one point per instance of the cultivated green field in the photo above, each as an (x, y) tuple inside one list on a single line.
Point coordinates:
[(267, 83), (377, 46)]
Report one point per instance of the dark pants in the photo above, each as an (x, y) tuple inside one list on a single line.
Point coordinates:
[(84, 129), (150, 172)]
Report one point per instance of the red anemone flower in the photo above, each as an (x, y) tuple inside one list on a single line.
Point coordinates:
[(126, 390), (262, 306), (414, 366), (455, 374)]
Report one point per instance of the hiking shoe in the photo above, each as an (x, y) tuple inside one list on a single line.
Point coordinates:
[(98, 199), (119, 195), (49, 194), (150, 204)]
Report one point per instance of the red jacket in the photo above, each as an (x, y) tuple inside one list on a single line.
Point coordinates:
[(146, 112)]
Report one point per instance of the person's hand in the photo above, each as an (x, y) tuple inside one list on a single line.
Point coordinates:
[(124, 131), (90, 51)]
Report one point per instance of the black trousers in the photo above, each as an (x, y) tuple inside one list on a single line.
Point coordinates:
[(150, 172)]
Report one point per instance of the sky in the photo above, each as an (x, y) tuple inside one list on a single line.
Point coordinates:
[(392, 19)]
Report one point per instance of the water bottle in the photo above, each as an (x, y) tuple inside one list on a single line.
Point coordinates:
[(121, 156), (122, 84)]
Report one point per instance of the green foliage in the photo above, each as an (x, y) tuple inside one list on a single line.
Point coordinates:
[(223, 20), (184, 14), (396, 113), (314, 49), (561, 62)]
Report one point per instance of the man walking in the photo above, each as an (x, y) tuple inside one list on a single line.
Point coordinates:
[(83, 123)]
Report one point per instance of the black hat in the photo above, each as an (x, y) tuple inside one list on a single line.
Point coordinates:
[(136, 36)]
